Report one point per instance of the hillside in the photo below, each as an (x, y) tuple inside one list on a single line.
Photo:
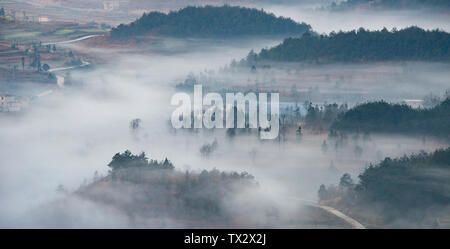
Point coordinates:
[(396, 118), (158, 191), (361, 46), (209, 21), (411, 191), (154, 194)]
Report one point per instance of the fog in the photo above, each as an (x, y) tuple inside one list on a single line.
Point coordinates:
[(64, 137), (324, 21)]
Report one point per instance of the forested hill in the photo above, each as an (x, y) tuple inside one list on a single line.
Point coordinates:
[(395, 118), (361, 46), (209, 21), (391, 4), (406, 192)]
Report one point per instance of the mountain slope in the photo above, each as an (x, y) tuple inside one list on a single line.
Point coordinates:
[(362, 46), (209, 21), (384, 117)]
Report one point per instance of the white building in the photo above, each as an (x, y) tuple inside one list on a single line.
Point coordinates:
[(11, 103), (413, 103), (43, 19)]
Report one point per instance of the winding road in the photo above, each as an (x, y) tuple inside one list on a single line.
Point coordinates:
[(349, 220), (70, 41), (352, 222), (60, 79), (83, 63)]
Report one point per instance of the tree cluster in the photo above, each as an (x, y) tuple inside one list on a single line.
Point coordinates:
[(129, 160)]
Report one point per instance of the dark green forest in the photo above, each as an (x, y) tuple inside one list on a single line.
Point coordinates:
[(390, 4), (396, 118), (411, 187), (411, 43), (209, 21), (395, 181)]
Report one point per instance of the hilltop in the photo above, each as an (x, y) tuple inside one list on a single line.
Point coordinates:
[(211, 22), (388, 118), (413, 44)]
